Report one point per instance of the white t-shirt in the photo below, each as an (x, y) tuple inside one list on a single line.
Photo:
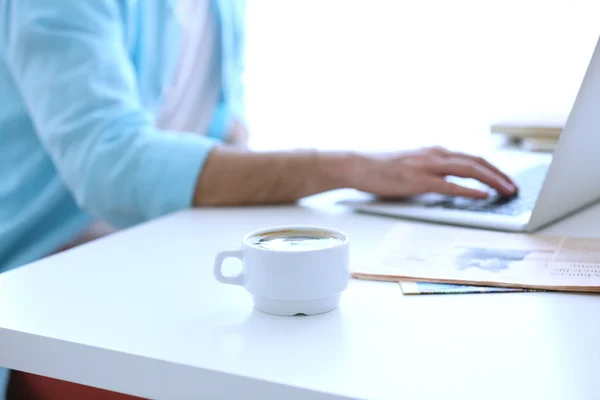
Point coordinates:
[(191, 99)]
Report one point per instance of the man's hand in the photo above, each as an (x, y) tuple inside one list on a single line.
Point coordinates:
[(425, 171)]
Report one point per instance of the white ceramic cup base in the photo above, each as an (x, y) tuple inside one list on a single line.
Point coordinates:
[(288, 308)]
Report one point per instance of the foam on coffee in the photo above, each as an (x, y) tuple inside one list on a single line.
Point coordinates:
[(295, 240)]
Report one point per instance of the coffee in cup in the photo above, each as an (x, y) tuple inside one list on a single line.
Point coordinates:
[(295, 240)]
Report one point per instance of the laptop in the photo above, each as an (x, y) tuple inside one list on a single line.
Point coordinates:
[(549, 191)]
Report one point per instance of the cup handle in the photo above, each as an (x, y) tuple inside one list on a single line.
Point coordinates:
[(231, 280)]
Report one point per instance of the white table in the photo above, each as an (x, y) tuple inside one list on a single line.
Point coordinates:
[(139, 312)]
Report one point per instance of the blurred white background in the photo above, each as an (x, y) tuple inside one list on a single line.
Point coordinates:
[(392, 74)]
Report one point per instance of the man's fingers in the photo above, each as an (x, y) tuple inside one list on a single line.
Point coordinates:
[(441, 186), (483, 162), (469, 169)]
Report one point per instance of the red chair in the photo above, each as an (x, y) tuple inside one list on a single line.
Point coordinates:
[(24, 386)]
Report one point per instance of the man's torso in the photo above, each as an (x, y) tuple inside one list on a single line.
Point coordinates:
[(37, 213)]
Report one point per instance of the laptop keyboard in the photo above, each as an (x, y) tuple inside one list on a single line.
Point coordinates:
[(529, 182)]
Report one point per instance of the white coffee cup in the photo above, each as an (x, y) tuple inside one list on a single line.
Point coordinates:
[(291, 270)]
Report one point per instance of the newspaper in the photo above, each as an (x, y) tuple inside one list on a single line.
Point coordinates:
[(444, 254)]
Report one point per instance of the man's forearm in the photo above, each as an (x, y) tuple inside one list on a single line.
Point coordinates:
[(241, 177)]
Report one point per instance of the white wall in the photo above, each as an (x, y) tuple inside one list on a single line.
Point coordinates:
[(383, 74)]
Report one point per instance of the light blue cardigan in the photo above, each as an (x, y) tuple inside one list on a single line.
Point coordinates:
[(80, 82)]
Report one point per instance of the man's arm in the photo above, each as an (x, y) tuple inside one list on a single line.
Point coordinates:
[(240, 177), (71, 65)]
